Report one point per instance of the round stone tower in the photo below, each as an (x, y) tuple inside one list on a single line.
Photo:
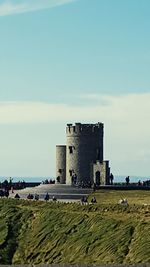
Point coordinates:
[(84, 146), (61, 164)]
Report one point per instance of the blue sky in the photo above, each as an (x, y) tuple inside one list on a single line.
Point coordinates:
[(65, 61)]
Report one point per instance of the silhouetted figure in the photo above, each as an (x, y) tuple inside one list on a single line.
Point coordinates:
[(84, 200), (46, 197), (6, 193), (10, 181), (58, 179), (127, 180), (93, 200), (17, 196), (36, 197), (74, 179), (54, 199), (23, 184), (1, 193), (5, 185), (30, 196), (111, 179)]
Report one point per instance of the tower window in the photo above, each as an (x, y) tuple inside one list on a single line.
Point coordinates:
[(70, 171), (70, 149), (98, 154), (60, 170)]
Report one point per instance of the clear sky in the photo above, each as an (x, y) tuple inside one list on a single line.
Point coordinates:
[(65, 61)]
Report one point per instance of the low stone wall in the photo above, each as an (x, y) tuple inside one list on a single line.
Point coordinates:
[(29, 184)]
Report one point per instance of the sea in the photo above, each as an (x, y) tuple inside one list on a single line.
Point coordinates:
[(117, 179)]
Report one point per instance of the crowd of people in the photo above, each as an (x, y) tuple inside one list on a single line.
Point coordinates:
[(139, 183), (84, 200), (7, 185), (10, 185), (144, 183), (46, 181), (36, 197)]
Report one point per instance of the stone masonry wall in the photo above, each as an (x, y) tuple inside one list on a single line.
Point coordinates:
[(84, 145), (61, 163)]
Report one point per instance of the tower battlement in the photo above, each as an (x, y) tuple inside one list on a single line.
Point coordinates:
[(81, 129)]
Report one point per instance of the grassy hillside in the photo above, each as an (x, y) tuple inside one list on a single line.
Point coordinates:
[(39, 232)]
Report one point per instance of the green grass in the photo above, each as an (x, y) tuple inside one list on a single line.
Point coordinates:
[(38, 232), (112, 196)]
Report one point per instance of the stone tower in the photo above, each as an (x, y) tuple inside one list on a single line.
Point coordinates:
[(61, 163), (81, 160), (84, 145)]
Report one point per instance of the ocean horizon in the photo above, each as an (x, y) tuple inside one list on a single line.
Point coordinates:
[(117, 178)]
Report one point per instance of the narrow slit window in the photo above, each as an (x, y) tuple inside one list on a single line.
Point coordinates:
[(70, 149), (70, 171), (98, 154)]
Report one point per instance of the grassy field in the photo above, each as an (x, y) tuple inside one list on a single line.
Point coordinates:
[(136, 197), (38, 232)]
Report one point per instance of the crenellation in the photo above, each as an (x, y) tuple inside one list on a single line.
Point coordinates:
[(80, 129)]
